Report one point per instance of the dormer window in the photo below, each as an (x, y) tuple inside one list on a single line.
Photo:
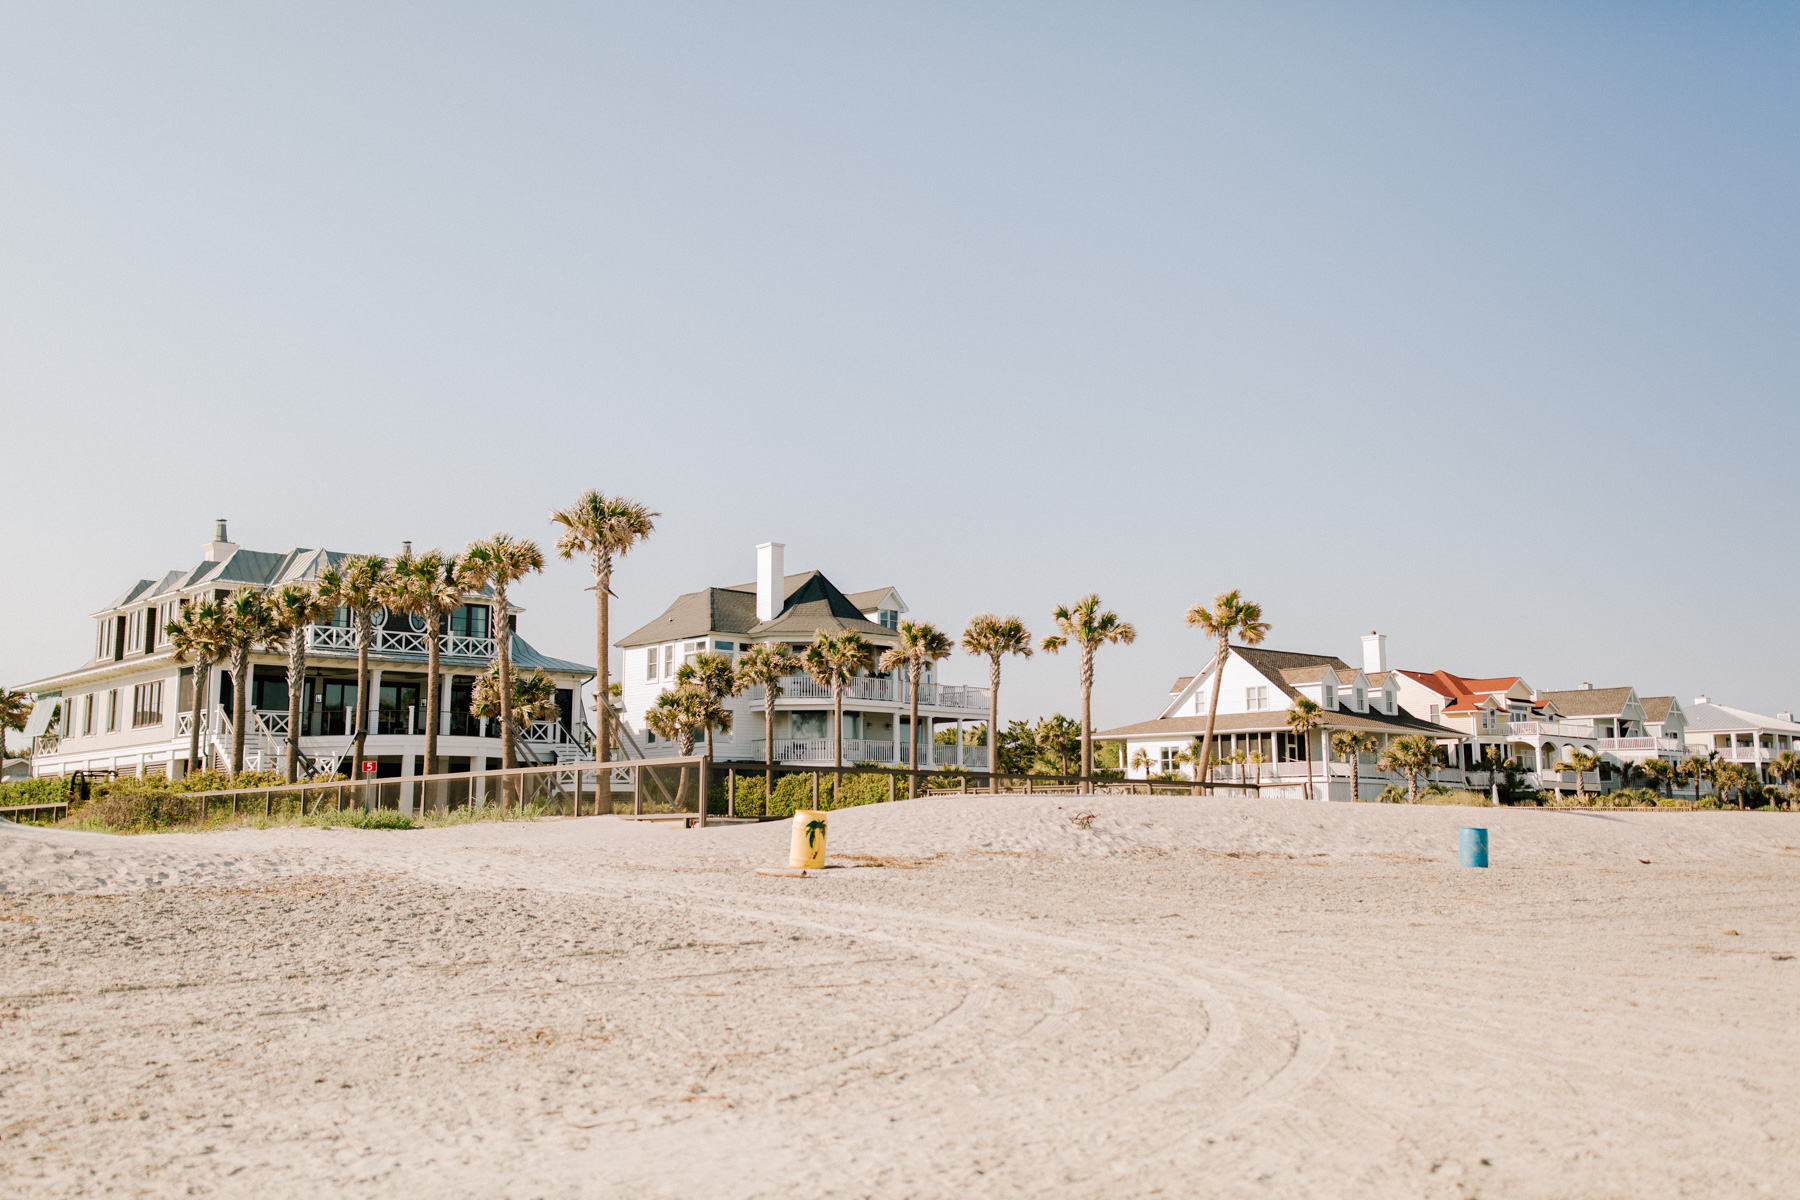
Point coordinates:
[(1362, 701), (1330, 695), (888, 618)]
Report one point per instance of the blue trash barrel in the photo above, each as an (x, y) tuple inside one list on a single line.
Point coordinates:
[(1474, 846)]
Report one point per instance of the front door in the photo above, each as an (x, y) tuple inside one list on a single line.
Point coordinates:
[(399, 708)]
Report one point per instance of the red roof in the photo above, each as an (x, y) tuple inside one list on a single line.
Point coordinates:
[(1465, 695)]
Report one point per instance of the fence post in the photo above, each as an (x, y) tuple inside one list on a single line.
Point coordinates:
[(815, 790), (705, 772), (637, 790), (893, 787), (578, 793), (731, 791)]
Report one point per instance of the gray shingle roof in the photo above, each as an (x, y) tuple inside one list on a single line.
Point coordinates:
[(1589, 702), (811, 603)]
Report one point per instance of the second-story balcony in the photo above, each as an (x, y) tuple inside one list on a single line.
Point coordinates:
[(1551, 729), (341, 639), (869, 687), (1641, 747)]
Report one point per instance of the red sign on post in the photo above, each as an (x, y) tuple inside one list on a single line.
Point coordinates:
[(368, 768)]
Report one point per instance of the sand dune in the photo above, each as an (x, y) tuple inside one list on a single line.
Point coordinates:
[(1174, 996)]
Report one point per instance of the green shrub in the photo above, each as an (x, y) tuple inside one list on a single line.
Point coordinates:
[(33, 791), (1393, 795), (1466, 799)]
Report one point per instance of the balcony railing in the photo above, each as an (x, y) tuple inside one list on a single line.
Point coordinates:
[(868, 687), (1640, 745), (342, 639), (1552, 729)]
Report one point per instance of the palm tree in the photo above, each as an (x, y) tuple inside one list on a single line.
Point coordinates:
[(1494, 759), (1579, 761), (679, 715), (995, 637), (198, 636), (497, 563), (1628, 771), (1255, 759), (357, 585), (428, 586), (712, 674), (515, 704), (1731, 777), (1090, 628), (15, 711), (921, 644), (1057, 738), (248, 624), (1230, 616), (602, 527), (1142, 760), (1661, 773), (1303, 717), (1350, 746), (293, 610), (1696, 768), (1785, 766), (765, 665), (1412, 756), (834, 659)]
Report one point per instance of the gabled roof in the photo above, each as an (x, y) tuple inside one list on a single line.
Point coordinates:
[(1276, 720), (1464, 694), (811, 603), (1656, 708), (1704, 717), (870, 601), (1590, 702), (1181, 685)]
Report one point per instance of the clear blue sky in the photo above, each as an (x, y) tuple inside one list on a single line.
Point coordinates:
[(1477, 325)]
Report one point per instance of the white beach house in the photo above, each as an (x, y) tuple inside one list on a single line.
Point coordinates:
[(127, 709), (791, 609), (1739, 735), (1257, 686)]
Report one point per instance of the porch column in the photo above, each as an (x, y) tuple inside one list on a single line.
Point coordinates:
[(372, 702)]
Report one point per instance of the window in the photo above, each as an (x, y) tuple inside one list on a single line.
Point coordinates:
[(650, 671), (1256, 699), (1330, 695), (692, 650), (668, 662), (87, 714), (887, 618), (152, 627), (725, 646), (471, 620), (112, 711), (1435, 713), (146, 704), (1170, 759), (1362, 700)]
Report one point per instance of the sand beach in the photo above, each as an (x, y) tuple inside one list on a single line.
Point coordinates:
[(1068, 996)]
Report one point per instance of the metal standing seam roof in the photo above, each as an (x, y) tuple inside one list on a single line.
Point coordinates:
[(1275, 721), (1703, 718)]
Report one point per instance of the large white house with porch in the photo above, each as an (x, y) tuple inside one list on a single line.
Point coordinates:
[(791, 609), (1257, 687), (1741, 736), (127, 709)]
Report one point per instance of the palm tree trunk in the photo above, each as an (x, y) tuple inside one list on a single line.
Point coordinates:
[(365, 633), (1212, 711), (1087, 724), (912, 755), (202, 685), (240, 704), (1412, 787), (602, 620), (434, 624), (503, 643), (1306, 750), (993, 734), (296, 675), (837, 747), (768, 745)]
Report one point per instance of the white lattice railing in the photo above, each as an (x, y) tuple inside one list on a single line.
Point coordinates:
[(342, 638), (867, 687)]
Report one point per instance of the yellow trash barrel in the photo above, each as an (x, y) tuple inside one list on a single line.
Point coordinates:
[(807, 849)]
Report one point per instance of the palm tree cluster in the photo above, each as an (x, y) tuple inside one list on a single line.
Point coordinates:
[(15, 710)]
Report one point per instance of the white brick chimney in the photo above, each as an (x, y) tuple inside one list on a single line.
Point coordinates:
[(1374, 652), (220, 548), (771, 580)]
